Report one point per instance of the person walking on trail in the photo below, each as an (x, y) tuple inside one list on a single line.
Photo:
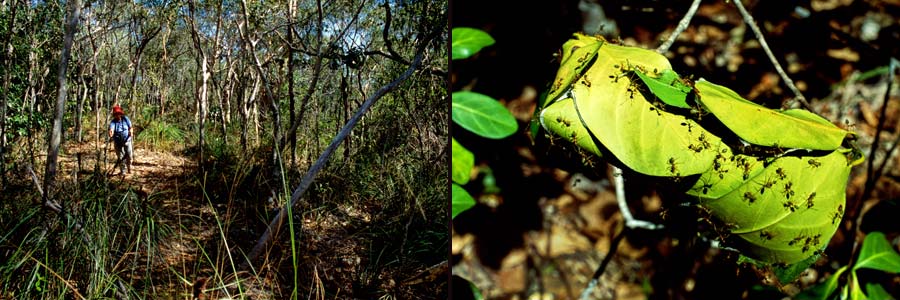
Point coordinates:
[(121, 133)]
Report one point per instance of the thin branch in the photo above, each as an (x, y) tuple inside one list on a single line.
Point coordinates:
[(762, 42), (682, 25), (872, 174), (386, 36), (586, 294), (630, 221)]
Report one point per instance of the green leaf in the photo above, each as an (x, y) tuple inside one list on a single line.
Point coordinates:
[(668, 87), (778, 208), (475, 291), (462, 201), (762, 126), (789, 273), (876, 291), (462, 162), (598, 113), (877, 253), (788, 210), (482, 115), (823, 290), (578, 55), (468, 41), (856, 292)]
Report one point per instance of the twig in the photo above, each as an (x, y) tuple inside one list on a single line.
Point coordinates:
[(586, 294), (682, 25), (63, 280), (873, 174), (762, 42), (630, 221)]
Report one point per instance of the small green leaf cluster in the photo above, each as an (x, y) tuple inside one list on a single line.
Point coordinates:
[(774, 179), (478, 113), (876, 254)]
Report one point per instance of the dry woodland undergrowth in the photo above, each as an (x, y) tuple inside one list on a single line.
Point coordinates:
[(187, 259)]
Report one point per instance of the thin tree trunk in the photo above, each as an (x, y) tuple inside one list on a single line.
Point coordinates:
[(270, 96), (56, 134), (7, 59), (79, 109), (138, 59), (202, 78), (292, 4), (163, 70), (243, 98)]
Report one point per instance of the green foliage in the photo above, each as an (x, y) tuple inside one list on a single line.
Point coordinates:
[(668, 87), (876, 254), (482, 115), (759, 125), (475, 112), (606, 109), (775, 207), (161, 135), (462, 201), (468, 41), (463, 161)]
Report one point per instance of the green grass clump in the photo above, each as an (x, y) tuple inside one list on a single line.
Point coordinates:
[(160, 135)]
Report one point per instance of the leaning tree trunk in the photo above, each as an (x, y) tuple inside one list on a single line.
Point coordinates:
[(275, 224), (56, 134)]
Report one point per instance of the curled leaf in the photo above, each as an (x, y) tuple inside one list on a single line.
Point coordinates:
[(762, 126)]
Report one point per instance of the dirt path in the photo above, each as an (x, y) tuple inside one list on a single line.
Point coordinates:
[(158, 181)]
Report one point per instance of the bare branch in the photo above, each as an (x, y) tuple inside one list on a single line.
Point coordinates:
[(762, 42), (586, 294), (630, 221), (682, 25)]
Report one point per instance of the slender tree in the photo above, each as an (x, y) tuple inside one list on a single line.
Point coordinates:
[(202, 80), (56, 133), (6, 58)]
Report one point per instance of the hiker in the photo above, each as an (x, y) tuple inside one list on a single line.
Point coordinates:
[(121, 133)]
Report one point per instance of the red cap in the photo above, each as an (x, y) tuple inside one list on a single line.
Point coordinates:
[(117, 110)]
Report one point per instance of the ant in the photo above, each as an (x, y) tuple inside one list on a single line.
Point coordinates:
[(809, 200), (749, 197), (780, 173), (814, 163), (788, 192)]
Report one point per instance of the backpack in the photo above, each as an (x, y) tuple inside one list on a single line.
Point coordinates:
[(121, 136)]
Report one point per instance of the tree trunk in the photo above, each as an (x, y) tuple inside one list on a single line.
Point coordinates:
[(202, 78), (56, 134), (163, 62), (269, 97), (79, 108), (290, 33), (317, 68), (7, 59)]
